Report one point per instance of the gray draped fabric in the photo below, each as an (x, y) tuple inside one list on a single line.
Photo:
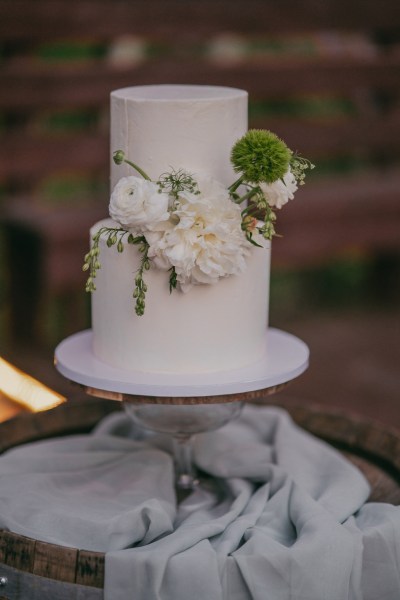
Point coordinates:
[(283, 516)]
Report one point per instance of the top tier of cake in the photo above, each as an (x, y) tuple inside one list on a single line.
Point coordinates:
[(212, 327), (184, 127)]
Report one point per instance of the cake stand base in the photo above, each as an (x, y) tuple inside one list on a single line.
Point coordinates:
[(285, 358), (182, 405)]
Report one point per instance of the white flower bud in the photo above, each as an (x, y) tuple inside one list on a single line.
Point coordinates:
[(281, 191)]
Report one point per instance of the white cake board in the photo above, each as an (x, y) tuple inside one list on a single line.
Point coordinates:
[(286, 358)]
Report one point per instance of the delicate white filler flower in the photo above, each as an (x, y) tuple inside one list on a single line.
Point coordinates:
[(137, 204), (203, 240), (280, 191)]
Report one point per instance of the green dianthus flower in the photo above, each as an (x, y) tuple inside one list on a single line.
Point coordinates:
[(260, 156)]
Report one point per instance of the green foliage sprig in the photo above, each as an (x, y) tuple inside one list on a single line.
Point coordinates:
[(298, 166), (261, 157), (256, 211), (139, 293), (175, 182), (91, 260), (115, 237)]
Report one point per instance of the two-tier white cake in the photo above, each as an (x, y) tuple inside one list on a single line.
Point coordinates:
[(212, 327)]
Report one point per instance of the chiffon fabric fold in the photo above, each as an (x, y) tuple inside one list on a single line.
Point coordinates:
[(280, 516)]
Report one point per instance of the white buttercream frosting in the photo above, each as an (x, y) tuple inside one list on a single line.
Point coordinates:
[(212, 327), (183, 127)]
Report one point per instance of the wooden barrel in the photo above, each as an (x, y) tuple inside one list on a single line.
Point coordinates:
[(35, 570)]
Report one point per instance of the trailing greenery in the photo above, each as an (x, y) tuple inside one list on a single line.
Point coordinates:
[(139, 293), (115, 237)]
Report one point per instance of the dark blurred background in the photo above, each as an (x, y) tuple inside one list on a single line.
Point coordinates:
[(324, 75)]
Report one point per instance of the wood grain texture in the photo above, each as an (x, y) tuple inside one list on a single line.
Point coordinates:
[(90, 568), (17, 550), (55, 562)]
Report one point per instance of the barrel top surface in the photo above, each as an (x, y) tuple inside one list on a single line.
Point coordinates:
[(372, 447)]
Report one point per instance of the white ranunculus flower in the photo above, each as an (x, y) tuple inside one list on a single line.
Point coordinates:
[(281, 191), (137, 204), (203, 240)]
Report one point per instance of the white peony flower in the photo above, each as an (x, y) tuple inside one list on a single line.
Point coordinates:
[(203, 240), (280, 191), (137, 204)]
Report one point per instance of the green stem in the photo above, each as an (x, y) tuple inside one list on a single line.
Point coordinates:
[(246, 196), (138, 169), (236, 184)]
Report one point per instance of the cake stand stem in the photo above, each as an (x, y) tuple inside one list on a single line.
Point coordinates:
[(185, 471)]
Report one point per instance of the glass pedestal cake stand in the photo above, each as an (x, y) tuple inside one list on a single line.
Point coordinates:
[(183, 405)]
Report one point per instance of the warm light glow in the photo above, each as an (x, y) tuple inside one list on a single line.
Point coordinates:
[(25, 390)]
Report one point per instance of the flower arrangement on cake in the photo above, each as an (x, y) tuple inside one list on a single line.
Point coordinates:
[(190, 225)]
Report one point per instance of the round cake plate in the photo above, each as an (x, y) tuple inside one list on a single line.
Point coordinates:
[(286, 358)]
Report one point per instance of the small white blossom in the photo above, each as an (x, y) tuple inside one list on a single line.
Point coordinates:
[(280, 191), (203, 241), (137, 204)]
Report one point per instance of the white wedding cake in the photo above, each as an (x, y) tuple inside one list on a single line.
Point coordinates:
[(179, 241)]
